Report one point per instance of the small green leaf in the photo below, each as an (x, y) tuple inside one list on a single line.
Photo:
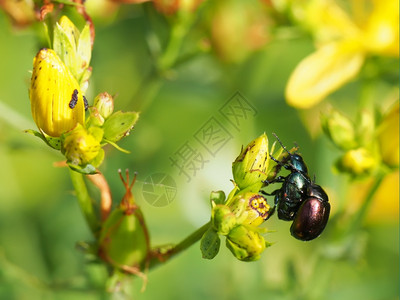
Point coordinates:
[(86, 169), (217, 197), (210, 243), (53, 142), (119, 124)]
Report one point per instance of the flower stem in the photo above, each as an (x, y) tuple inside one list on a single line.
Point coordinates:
[(85, 201), (160, 258), (171, 52), (359, 217)]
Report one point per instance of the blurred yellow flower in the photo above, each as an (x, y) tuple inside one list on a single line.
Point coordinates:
[(388, 137), (358, 161), (384, 208), (343, 43), (385, 205)]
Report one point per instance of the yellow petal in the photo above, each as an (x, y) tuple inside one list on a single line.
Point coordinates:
[(56, 100), (388, 137), (327, 20), (382, 29), (323, 72)]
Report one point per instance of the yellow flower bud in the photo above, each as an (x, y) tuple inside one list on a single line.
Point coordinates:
[(250, 209), (245, 243), (80, 146), (56, 99), (251, 165)]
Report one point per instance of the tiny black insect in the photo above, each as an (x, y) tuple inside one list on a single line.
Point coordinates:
[(85, 103), (299, 199), (74, 99)]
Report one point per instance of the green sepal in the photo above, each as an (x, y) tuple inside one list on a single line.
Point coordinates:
[(119, 124), (209, 244), (87, 169), (84, 51), (254, 188), (97, 161), (65, 47), (94, 119), (218, 197), (222, 218), (53, 142), (96, 132), (232, 193), (280, 155), (116, 146), (74, 48)]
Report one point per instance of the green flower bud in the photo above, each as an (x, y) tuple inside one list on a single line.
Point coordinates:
[(357, 162), (339, 129), (81, 146), (245, 243), (223, 220), (124, 239), (251, 165), (104, 104)]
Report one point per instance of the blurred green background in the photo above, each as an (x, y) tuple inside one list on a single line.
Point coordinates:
[(40, 221)]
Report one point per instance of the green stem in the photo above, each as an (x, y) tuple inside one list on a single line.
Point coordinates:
[(169, 56), (362, 212), (85, 201), (178, 248)]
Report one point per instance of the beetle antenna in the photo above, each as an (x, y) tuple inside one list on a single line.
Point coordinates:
[(280, 142)]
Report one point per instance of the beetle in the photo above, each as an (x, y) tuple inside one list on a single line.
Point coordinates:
[(313, 214), (299, 199)]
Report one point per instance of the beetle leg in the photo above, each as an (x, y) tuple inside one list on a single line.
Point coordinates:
[(269, 194), (277, 179)]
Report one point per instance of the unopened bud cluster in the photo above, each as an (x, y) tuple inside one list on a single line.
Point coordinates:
[(238, 217), (365, 143), (59, 80)]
